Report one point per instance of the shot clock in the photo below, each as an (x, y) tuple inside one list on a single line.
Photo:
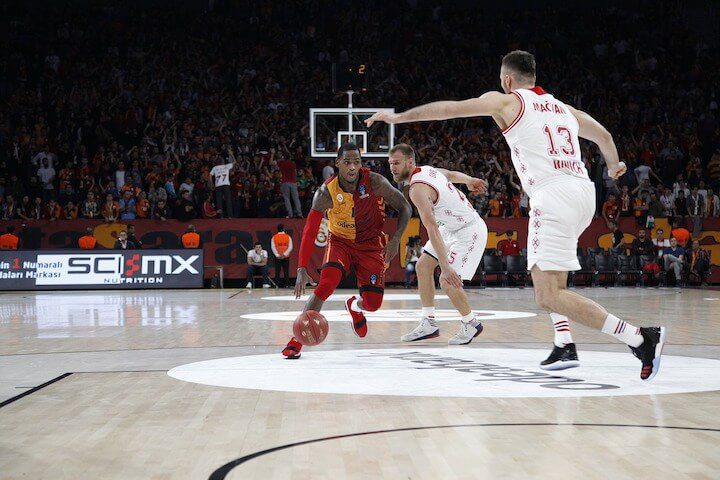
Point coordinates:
[(350, 77)]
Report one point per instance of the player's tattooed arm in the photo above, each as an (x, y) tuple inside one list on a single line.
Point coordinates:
[(396, 200), (322, 200), (475, 185)]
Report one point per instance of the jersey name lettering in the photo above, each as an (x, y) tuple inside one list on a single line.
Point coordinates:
[(568, 164), (548, 107)]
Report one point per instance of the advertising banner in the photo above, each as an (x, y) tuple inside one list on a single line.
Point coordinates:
[(89, 270), (225, 241)]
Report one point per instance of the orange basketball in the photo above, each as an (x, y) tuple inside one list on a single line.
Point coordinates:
[(310, 328)]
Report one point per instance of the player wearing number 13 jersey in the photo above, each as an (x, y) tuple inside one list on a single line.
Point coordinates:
[(543, 135), (457, 238)]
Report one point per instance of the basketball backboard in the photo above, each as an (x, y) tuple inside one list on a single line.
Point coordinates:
[(330, 127)]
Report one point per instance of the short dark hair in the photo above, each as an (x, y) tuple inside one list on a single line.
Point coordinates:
[(347, 147), (403, 148), (257, 243), (281, 227), (520, 62)]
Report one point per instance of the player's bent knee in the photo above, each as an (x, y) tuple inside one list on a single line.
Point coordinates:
[(329, 280), (425, 264), (372, 297)]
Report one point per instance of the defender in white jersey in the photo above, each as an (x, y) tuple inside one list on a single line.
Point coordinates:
[(457, 238), (545, 152), (543, 136)]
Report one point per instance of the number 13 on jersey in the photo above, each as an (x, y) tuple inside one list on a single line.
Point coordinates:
[(565, 135)]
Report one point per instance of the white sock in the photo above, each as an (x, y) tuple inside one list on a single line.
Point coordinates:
[(470, 318), (428, 312), (623, 331), (561, 325), (355, 305)]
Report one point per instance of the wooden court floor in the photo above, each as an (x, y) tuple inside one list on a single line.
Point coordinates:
[(191, 385)]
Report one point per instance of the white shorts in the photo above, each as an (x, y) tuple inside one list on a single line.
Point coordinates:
[(559, 214), (465, 248)]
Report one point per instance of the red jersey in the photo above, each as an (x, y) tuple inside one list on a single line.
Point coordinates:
[(508, 247), (288, 170), (359, 216)]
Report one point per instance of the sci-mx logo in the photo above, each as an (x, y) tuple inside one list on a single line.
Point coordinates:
[(136, 264), (161, 264)]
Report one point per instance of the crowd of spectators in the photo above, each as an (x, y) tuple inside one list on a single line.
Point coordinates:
[(121, 111)]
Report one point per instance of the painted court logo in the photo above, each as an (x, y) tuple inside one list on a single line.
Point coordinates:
[(491, 372), (451, 372)]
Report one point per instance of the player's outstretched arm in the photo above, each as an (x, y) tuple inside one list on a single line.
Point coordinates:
[(475, 185), (395, 199), (592, 130), (488, 104), (321, 202), (420, 196)]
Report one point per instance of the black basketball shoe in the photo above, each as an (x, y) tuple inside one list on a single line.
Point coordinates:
[(561, 358), (650, 350)]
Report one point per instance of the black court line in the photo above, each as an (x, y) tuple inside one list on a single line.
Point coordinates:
[(123, 371), (224, 470), (34, 389), (58, 378)]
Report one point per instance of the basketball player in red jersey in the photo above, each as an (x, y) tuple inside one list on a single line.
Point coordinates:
[(543, 135), (354, 200)]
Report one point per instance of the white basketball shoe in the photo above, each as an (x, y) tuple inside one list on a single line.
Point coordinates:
[(427, 328), (467, 332)]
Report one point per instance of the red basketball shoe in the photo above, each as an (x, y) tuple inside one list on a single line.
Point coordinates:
[(292, 350), (359, 323)]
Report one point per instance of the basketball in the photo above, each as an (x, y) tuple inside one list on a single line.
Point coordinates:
[(310, 328)]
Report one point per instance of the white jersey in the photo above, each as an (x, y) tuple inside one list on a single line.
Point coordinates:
[(543, 141), (452, 209), (221, 174)]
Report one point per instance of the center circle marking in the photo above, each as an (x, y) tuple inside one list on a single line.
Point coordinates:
[(451, 372)]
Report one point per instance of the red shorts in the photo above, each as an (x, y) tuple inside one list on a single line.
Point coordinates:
[(368, 258)]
